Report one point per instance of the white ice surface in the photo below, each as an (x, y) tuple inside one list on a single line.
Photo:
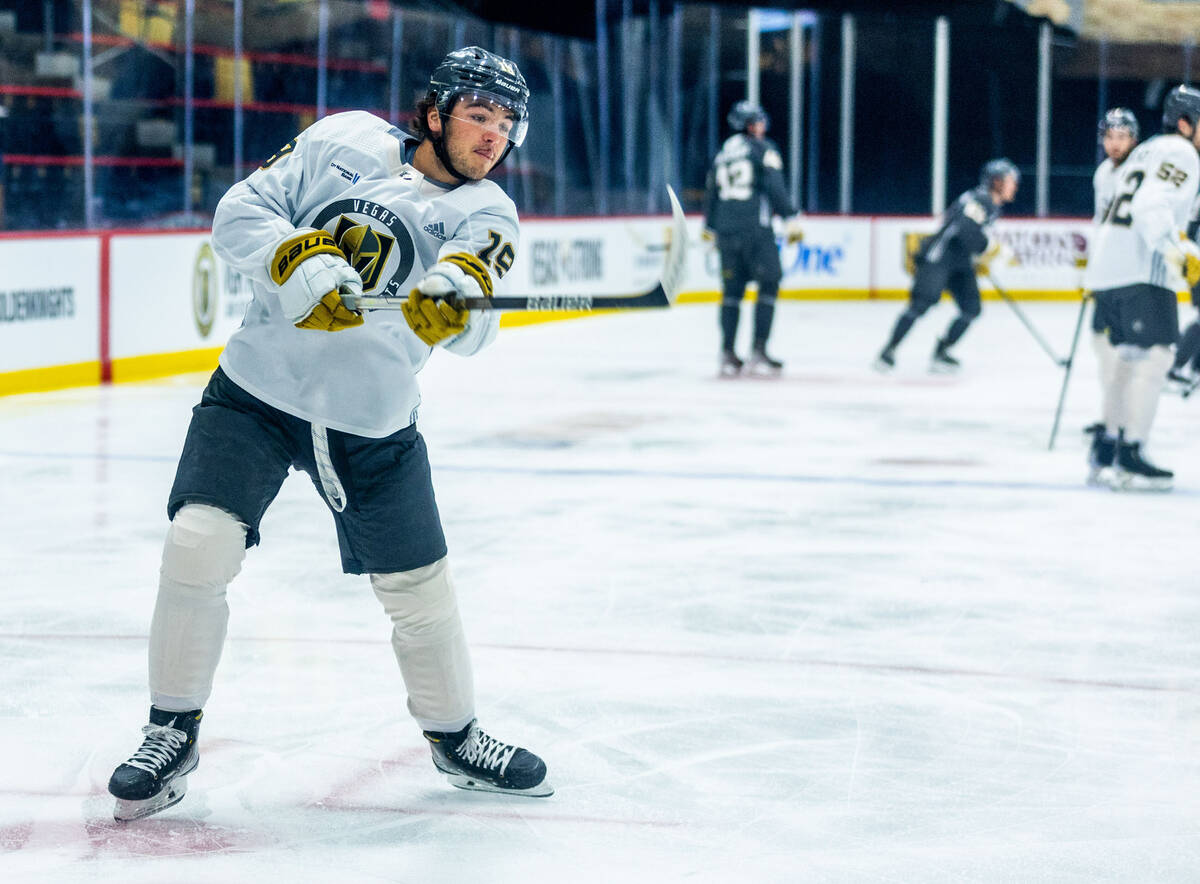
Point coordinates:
[(838, 627)]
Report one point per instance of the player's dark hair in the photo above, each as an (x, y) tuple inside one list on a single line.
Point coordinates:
[(420, 121)]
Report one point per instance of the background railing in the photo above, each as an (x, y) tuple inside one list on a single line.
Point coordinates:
[(141, 113)]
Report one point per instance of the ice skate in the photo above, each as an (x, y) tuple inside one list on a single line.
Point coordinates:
[(1182, 381), (731, 366), (760, 365), (471, 759), (155, 776), (1132, 472), (942, 362), (1101, 455), (885, 362)]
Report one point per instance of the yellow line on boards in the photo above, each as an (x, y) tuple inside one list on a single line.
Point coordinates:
[(157, 365), (52, 377)]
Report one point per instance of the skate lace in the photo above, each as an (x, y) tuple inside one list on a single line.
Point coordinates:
[(484, 751), (158, 749)]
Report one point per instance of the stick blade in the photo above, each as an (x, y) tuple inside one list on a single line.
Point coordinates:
[(675, 266)]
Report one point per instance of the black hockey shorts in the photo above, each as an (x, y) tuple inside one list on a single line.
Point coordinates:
[(1142, 315), (931, 279), (752, 255), (1102, 311), (237, 454)]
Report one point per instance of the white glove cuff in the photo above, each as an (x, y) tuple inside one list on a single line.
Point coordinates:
[(445, 278), (312, 280)]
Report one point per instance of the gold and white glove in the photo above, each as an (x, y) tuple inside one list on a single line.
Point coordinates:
[(460, 275), (793, 232), (1185, 256), (312, 275), (997, 251)]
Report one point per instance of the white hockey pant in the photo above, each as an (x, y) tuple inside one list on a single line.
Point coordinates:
[(1106, 358), (1138, 380), (203, 553), (430, 646)]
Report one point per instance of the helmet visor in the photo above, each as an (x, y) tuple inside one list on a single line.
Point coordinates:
[(489, 113)]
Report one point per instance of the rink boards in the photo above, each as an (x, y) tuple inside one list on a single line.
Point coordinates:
[(82, 308)]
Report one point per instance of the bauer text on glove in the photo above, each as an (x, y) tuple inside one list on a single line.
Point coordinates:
[(312, 275)]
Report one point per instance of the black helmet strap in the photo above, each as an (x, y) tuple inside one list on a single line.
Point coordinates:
[(443, 155), (439, 146)]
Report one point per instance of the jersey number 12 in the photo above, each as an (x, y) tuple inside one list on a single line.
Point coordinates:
[(735, 180), (1121, 204)]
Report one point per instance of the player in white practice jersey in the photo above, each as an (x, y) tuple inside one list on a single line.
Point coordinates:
[(1118, 137), (351, 206), (1141, 258)]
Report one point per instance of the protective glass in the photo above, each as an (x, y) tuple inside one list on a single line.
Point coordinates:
[(490, 113)]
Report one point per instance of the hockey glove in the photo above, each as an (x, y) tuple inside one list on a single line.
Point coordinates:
[(997, 251), (312, 274), (460, 275), (1189, 260), (792, 230)]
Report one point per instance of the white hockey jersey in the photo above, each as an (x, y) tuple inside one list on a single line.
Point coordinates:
[(1104, 187), (1154, 192), (347, 173)]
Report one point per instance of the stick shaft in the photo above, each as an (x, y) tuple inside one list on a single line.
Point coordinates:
[(1037, 336), (1062, 394), (656, 297)]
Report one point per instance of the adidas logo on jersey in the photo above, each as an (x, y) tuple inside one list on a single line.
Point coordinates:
[(438, 229)]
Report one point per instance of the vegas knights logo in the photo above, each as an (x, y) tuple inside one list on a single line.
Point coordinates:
[(374, 240), (365, 248)]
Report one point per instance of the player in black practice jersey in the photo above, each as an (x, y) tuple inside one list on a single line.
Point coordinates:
[(745, 188), (946, 260)]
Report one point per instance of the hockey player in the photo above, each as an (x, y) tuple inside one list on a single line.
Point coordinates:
[(946, 260), (351, 205), (1141, 258), (1118, 137), (744, 190), (1184, 376)]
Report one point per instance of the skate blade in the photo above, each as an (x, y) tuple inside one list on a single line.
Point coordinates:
[(728, 373), (1127, 482), (470, 784), (882, 367), (764, 373), (939, 368), (125, 811)]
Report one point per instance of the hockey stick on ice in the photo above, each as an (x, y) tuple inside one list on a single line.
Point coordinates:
[(1062, 394), (1037, 336), (661, 295)]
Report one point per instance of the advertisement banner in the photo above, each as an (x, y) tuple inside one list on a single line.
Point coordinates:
[(1039, 260), (171, 296), (172, 304), (49, 302)]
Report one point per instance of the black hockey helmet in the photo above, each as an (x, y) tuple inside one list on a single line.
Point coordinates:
[(1119, 118), (997, 168), (744, 113), (475, 71), (1181, 103)]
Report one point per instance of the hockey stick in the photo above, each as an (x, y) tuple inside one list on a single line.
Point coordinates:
[(662, 295), (1024, 319), (1062, 394)]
